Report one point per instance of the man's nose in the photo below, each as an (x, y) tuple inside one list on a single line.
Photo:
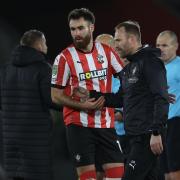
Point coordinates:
[(77, 32)]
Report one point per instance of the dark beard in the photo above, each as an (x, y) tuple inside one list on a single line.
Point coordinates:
[(83, 44), (123, 54)]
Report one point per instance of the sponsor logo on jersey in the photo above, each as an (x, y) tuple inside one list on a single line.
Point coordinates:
[(100, 74)]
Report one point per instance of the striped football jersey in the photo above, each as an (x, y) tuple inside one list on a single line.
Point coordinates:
[(92, 71)]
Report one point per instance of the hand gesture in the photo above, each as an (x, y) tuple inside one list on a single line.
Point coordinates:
[(156, 144), (80, 92), (92, 104), (171, 98)]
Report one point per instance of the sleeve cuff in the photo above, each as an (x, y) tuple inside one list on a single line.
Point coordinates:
[(57, 86)]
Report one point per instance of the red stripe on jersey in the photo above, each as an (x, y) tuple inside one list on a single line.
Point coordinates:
[(61, 71), (71, 115)]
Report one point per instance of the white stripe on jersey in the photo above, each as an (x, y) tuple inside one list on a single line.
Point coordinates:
[(91, 64), (100, 50), (84, 118), (98, 119), (92, 67), (78, 68), (115, 64), (108, 123)]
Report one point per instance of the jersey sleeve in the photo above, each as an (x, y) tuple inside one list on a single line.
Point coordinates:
[(116, 62), (60, 72)]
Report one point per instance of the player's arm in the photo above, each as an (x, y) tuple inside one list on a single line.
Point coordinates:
[(59, 97), (155, 75), (114, 100), (111, 99), (45, 87), (154, 72), (60, 78)]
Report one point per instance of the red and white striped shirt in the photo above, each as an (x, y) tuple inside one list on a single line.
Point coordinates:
[(92, 71)]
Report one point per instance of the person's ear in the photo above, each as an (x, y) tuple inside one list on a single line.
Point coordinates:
[(177, 46), (132, 38), (92, 27), (38, 46)]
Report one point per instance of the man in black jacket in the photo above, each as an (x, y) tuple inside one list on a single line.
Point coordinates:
[(25, 103), (144, 98)]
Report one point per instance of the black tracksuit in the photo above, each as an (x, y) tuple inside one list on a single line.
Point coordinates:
[(26, 120), (144, 97)]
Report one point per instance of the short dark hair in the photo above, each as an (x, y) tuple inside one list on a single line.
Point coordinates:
[(30, 37), (131, 27), (82, 12)]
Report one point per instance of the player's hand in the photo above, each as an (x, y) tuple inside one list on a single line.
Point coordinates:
[(171, 98), (80, 92), (92, 104), (118, 116), (156, 144)]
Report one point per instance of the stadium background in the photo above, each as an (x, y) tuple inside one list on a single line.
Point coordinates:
[(50, 17)]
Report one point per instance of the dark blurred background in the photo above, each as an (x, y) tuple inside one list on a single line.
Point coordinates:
[(51, 17), (18, 16)]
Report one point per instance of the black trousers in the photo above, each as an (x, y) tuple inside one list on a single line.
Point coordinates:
[(141, 164)]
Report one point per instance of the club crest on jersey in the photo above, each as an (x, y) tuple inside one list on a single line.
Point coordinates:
[(100, 74), (100, 58), (134, 75), (134, 70)]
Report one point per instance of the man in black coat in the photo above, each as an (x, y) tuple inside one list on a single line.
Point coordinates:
[(143, 95), (25, 103)]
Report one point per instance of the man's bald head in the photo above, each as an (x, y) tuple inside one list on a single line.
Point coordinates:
[(168, 43), (170, 35), (105, 39)]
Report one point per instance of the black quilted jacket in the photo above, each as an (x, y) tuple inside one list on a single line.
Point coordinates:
[(26, 120)]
